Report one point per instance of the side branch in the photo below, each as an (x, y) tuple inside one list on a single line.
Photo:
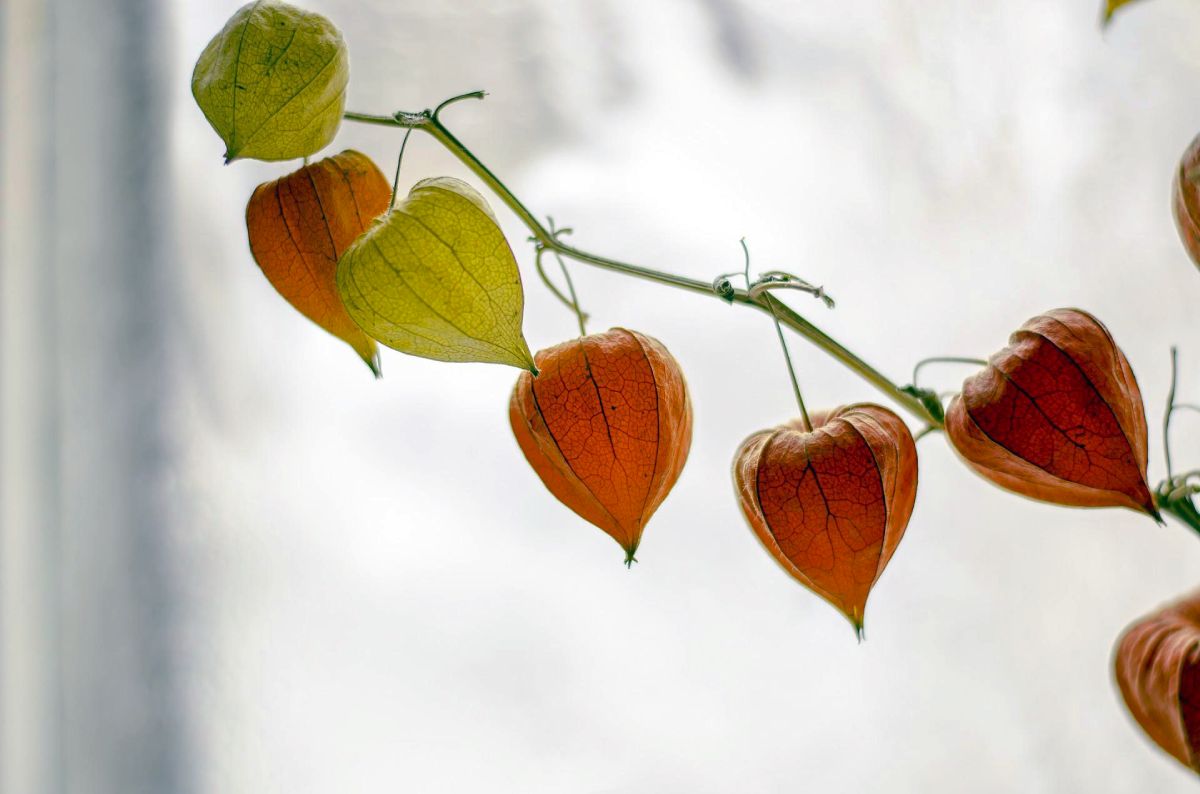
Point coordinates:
[(429, 122)]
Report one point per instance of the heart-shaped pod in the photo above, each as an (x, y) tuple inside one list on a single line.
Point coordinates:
[(435, 277), (831, 505), (273, 82), (300, 224), (1057, 416), (1158, 671), (1185, 200), (607, 426)]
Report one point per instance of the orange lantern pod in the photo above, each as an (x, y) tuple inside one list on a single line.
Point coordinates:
[(301, 223), (1158, 671), (607, 425), (1057, 416), (831, 504)]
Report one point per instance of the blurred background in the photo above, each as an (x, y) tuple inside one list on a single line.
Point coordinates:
[(230, 561)]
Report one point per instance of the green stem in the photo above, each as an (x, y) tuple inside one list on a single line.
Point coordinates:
[(1183, 511), (579, 315), (1170, 410), (399, 160), (572, 302), (428, 121), (787, 357), (550, 285), (944, 360)]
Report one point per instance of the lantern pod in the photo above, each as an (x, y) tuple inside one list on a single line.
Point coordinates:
[(1057, 416), (830, 505), (607, 425)]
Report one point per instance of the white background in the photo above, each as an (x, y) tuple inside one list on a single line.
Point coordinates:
[(377, 594)]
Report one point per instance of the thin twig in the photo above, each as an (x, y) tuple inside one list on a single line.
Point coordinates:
[(944, 360), (399, 160), (579, 313), (791, 370), (537, 262), (1170, 410), (447, 103)]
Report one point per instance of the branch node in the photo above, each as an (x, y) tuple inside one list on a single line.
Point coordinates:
[(778, 279), (724, 288)]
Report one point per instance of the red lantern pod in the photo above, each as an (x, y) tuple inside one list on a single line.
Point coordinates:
[(1158, 671), (1185, 200), (1057, 416), (831, 505), (607, 426)]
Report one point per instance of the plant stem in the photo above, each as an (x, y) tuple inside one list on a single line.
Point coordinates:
[(572, 302), (428, 122), (944, 360), (399, 160), (787, 357), (579, 315), (1183, 511), (550, 285), (1170, 410)]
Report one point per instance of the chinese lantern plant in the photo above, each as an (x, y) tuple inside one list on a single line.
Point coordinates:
[(605, 420), (1057, 416), (272, 82), (1157, 668), (607, 425), (1185, 200), (829, 498), (299, 225), (434, 277)]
